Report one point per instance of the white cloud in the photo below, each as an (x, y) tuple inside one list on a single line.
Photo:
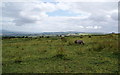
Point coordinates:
[(32, 16), (87, 0), (93, 27), (21, 0), (61, 0), (81, 26)]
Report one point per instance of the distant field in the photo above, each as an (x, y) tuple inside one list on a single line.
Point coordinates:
[(53, 55)]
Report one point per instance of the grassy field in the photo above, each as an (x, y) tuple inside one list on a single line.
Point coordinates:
[(53, 55)]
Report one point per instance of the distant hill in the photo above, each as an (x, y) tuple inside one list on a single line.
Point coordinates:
[(13, 33)]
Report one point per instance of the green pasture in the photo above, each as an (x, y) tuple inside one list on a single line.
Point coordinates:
[(53, 55)]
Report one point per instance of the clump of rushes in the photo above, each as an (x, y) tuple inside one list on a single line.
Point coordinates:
[(60, 53), (70, 43), (18, 60), (98, 47), (22, 48), (17, 47)]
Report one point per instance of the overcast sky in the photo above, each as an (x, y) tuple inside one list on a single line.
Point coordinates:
[(55, 16)]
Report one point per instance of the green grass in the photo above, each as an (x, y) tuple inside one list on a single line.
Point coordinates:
[(52, 55)]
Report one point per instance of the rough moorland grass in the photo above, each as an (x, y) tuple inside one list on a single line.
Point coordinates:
[(52, 55)]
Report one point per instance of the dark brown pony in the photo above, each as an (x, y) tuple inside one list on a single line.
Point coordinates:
[(79, 42)]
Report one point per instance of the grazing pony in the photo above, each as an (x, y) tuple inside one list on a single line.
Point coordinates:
[(79, 42)]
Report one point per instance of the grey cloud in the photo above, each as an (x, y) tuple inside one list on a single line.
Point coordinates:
[(98, 17), (26, 13), (11, 9), (23, 21), (98, 10), (114, 16), (93, 6)]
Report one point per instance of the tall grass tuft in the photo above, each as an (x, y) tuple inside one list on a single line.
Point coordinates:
[(63, 39), (98, 47), (60, 53)]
